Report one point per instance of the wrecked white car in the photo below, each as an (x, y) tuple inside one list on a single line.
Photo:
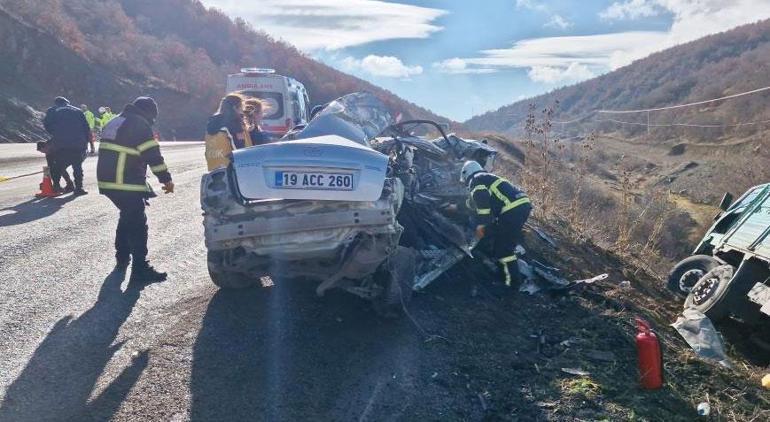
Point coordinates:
[(350, 201)]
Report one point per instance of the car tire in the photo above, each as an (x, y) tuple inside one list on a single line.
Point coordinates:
[(688, 272), (398, 284), (228, 279)]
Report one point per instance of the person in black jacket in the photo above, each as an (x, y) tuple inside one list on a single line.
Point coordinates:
[(69, 140), (230, 115), (502, 209), (53, 168), (127, 148)]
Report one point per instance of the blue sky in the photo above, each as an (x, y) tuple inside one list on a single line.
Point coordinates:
[(462, 58)]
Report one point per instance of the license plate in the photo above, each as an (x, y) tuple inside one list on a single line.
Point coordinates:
[(313, 180)]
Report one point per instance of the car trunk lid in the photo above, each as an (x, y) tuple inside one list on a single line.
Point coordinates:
[(322, 168)]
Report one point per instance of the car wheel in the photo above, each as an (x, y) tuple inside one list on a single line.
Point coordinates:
[(688, 272), (225, 279), (398, 283)]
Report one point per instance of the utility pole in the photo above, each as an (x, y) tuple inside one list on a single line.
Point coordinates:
[(648, 124)]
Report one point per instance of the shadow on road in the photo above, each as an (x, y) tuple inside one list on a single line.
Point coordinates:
[(281, 354), (32, 210), (59, 378)]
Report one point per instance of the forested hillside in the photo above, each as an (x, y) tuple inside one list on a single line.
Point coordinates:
[(711, 67), (106, 52)]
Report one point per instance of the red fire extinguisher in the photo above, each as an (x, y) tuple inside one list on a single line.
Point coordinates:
[(650, 356)]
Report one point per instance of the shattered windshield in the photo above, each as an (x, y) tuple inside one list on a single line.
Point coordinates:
[(359, 117)]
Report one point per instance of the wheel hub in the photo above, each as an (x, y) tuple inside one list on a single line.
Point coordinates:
[(689, 279), (704, 290)]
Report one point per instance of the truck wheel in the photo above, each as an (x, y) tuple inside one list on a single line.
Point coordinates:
[(228, 279), (398, 283), (721, 293), (689, 271), (711, 295)]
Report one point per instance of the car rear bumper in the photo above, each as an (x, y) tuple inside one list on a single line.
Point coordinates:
[(299, 227)]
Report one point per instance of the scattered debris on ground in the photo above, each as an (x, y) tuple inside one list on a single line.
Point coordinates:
[(569, 354), (702, 336)]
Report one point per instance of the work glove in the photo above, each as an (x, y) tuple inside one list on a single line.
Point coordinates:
[(480, 231), (168, 187)]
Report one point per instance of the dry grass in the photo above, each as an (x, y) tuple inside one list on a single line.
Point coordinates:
[(646, 228)]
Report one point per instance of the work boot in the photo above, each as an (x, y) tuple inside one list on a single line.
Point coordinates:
[(509, 273), (79, 192), (57, 188), (69, 188), (143, 273)]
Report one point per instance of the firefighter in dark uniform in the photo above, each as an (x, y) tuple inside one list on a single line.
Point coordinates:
[(501, 211), (69, 141), (127, 148)]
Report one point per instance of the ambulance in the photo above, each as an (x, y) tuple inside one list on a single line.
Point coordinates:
[(287, 98)]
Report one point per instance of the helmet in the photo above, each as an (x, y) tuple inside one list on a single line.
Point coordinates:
[(469, 169), (147, 105), (102, 109)]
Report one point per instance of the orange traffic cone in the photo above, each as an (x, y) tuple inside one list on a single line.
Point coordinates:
[(46, 186)]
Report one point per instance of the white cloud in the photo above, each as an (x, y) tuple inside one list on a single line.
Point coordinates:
[(697, 18), (555, 60), (532, 5), (599, 51), (557, 21), (457, 65), (385, 66), (630, 9), (334, 24), (575, 72)]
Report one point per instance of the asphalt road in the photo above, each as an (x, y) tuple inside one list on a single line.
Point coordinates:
[(76, 344)]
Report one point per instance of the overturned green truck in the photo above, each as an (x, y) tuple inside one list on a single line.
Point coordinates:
[(728, 274)]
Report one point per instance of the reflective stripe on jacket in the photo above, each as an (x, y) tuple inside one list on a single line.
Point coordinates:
[(493, 196), (127, 148)]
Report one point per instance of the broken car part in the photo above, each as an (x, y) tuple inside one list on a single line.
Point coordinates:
[(349, 201)]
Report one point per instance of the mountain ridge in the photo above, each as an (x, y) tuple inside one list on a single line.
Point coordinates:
[(710, 67), (180, 51)]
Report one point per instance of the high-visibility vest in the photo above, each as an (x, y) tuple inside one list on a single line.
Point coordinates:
[(105, 118), (90, 119), (220, 146), (219, 149)]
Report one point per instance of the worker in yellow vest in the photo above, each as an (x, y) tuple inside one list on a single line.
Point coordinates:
[(91, 119), (226, 132), (502, 209), (106, 116)]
